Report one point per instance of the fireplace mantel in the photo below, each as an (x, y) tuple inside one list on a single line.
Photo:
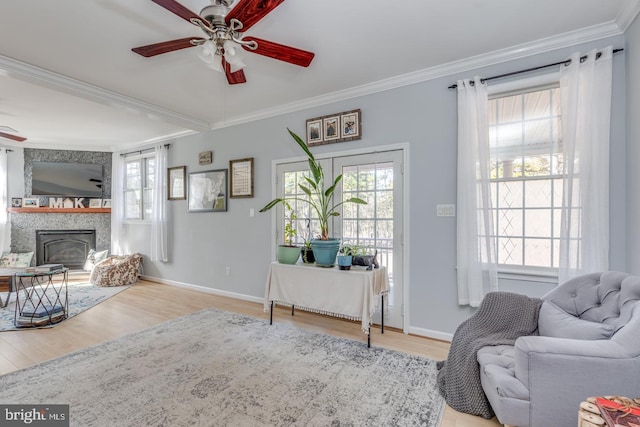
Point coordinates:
[(60, 210)]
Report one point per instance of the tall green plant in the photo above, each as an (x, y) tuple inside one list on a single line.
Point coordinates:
[(320, 198)]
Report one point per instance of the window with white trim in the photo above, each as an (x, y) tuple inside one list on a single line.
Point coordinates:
[(526, 180), (139, 178)]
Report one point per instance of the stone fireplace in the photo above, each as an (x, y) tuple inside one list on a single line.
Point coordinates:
[(24, 227), (67, 247)]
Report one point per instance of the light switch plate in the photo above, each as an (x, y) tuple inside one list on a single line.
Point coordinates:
[(446, 210)]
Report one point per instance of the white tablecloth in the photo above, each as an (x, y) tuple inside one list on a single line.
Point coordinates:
[(353, 294)]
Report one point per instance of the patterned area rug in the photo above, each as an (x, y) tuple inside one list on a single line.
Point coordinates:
[(215, 368), (82, 296)]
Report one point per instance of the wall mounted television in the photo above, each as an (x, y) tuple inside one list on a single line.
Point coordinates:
[(66, 179)]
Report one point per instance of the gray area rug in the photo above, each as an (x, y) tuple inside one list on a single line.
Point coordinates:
[(215, 368), (82, 296)]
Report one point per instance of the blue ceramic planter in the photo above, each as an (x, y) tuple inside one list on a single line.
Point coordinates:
[(344, 262), (325, 251)]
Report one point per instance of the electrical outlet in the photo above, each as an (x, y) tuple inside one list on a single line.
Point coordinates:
[(252, 212), (445, 210), (227, 271)]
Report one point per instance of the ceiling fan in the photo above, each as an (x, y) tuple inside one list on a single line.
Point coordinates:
[(223, 28), (4, 133)]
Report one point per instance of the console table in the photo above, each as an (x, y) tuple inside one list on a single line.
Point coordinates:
[(352, 294), (44, 298)]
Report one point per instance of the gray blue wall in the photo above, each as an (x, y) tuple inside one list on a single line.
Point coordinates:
[(632, 54), (422, 115)]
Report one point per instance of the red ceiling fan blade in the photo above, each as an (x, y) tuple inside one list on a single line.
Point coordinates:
[(279, 51), (235, 77), (14, 137), (251, 11), (164, 47), (180, 10)]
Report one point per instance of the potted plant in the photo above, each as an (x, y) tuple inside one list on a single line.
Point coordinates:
[(345, 258), (320, 199), (306, 251), (360, 256), (289, 253)]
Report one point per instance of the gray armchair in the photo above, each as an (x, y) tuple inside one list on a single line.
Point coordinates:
[(589, 345)]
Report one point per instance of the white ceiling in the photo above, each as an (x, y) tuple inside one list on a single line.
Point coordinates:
[(68, 78)]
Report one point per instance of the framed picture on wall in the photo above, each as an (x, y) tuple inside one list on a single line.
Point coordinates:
[(177, 185), (241, 178), (208, 191), (314, 131), (351, 127), (331, 127)]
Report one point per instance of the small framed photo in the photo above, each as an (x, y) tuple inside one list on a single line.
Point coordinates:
[(177, 185), (314, 131), (95, 203), (331, 127), (16, 202), (351, 127), (241, 178), (106, 203), (205, 157), (208, 191), (30, 202)]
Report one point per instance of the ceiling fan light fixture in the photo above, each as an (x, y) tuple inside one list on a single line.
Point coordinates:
[(232, 55), (216, 63)]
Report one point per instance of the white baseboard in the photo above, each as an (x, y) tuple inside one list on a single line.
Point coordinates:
[(428, 333), (205, 289)]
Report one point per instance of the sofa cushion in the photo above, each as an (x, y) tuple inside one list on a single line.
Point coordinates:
[(497, 365), (555, 322), (16, 260)]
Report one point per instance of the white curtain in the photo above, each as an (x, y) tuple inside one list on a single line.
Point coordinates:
[(159, 251), (476, 253), (4, 218), (586, 115), (118, 232)]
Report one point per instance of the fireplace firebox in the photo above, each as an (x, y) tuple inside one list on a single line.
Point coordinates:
[(67, 247)]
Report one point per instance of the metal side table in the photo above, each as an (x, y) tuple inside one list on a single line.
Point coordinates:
[(41, 298)]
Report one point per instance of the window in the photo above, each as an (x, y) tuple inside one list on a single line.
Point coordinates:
[(526, 180), (138, 183)]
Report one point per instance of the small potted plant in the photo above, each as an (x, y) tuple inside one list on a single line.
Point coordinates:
[(307, 251), (345, 258), (360, 256), (289, 253)]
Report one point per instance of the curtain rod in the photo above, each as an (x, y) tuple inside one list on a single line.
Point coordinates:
[(142, 151), (565, 62)]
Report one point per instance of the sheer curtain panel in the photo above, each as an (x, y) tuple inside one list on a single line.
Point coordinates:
[(4, 218), (476, 254), (586, 115), (159, 207), (118, 236)]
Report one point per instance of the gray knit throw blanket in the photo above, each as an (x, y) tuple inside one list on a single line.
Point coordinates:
[(501, 318)]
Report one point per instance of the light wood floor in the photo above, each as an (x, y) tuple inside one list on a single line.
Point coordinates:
[(147, 303)]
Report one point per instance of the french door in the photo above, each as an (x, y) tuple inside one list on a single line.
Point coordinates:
[(377, 226)]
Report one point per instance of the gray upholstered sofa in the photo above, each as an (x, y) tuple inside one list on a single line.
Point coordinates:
[(589, 345)]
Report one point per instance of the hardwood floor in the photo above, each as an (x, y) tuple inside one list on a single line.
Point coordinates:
[(147, 303)]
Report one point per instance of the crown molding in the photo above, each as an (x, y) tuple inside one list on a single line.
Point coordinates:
[(49, 79), (628, 13), (14, 68), (584, 35)]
